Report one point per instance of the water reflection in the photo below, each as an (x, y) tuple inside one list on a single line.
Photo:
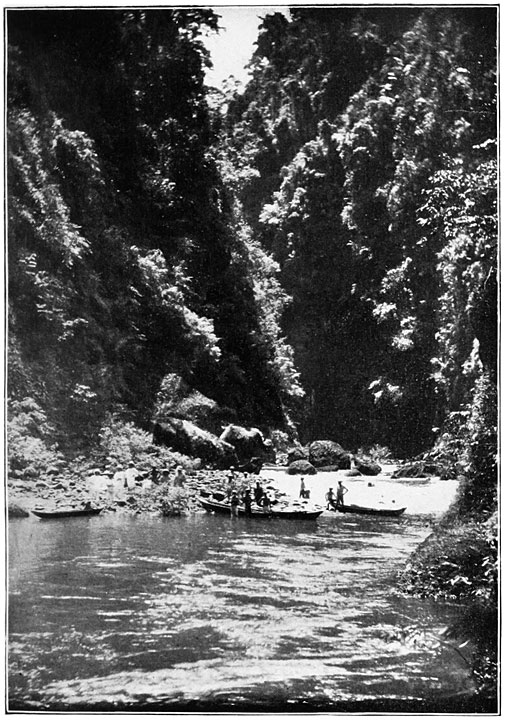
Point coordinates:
[(204, 612)]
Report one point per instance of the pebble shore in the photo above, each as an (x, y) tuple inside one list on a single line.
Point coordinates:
[(23, 496)]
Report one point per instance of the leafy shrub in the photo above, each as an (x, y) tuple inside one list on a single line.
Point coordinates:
[(30, 450), (121, 442), (460, 562), (173, 501), (377, 453)]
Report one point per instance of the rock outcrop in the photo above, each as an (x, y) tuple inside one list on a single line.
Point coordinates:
[(248, 443), (323, 453), (301, 467), (185, 437), (366, 467)]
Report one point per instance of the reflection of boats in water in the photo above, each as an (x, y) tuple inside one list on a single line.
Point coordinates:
[(65, 513), (286, 513), (363, 510)]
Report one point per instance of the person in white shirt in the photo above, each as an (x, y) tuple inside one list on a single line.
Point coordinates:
[(119, 480), (97, 484), (180, 477), (130, 475)]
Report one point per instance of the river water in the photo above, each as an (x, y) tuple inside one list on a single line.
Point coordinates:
[(208, 612)]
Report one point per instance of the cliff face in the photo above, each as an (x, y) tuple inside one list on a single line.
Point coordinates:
[(125, 264), (370, 176)]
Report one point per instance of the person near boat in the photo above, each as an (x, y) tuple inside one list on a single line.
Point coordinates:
[(110, 486), (247, 500), (97, 484), (230, 484), (259, 493), (331, 500), (234, 504), (266, 503), (302, 491), (340, 493)]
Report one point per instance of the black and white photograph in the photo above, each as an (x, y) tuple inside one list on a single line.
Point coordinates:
[(251, 359)]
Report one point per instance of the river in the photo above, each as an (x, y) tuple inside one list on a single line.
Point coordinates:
[(209, 613)]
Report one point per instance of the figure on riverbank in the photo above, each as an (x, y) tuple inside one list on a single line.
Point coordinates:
[(130, 476), (97, 484), (341, 492), (302, 491), (266, 503), (180, 477), (234, 504), (331, 500), (110, 484), (259, 492), (230, 484), (247, 500)]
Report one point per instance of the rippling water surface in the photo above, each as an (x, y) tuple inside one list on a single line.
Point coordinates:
[(208, 612)]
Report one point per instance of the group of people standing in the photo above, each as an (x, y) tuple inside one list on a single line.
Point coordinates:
[(337, 500), (259, 496), (115, 481), (333, 501)]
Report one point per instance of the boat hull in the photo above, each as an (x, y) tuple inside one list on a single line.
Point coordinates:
[(55, 514), (361, 510), (224, 509)]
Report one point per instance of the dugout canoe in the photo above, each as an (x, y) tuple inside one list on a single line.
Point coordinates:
[(362, 510), (66, 513), (223, 508)]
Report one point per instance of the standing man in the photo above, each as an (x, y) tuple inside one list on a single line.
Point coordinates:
[(234, 505), (302, 491), (130, 475), (247, 500), (341, 492), (180, 477)]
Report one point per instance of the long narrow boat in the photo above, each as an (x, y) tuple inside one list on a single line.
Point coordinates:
[(223, 508), (68, 512), (362, 510)]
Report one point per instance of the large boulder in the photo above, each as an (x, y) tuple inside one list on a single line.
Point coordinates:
[(367, 467), (301, 467), (248, 443), (418, 469), (296, 453), (323, 453), (253, 466), (186, 438), (177, 399)]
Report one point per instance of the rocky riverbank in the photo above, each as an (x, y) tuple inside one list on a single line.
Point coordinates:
[(162, 499)]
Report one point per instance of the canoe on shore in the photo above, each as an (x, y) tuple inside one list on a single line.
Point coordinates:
[(65, 513), (362, 510), (223, 508)]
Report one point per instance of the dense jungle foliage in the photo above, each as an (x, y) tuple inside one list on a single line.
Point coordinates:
[(365, 160), (343, 205), (126, 264), (316, 252)]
